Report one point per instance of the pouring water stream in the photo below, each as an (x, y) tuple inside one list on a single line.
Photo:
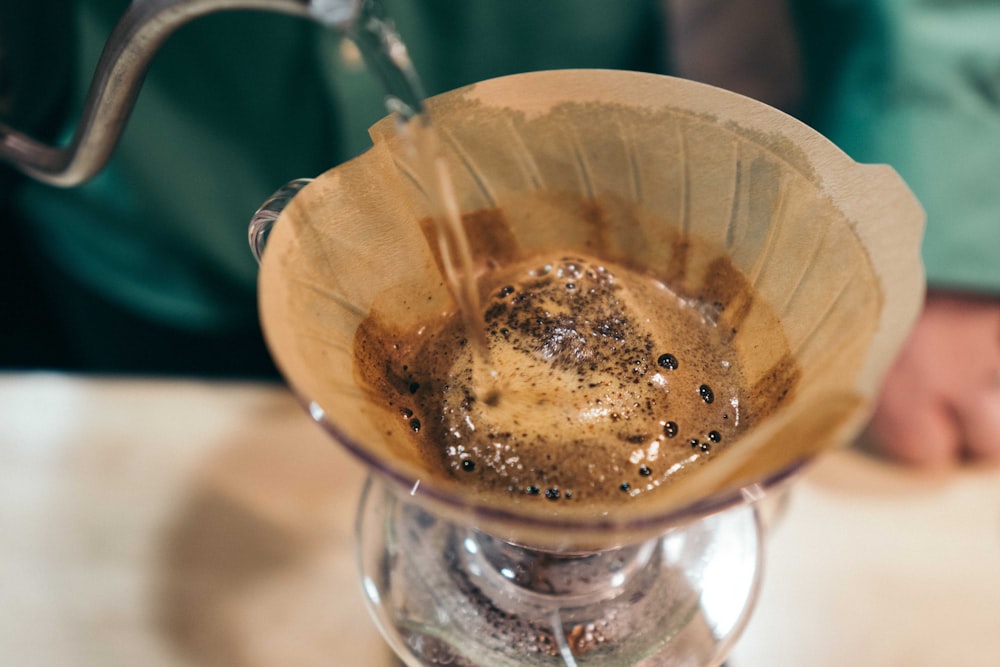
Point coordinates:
[(387, 57)]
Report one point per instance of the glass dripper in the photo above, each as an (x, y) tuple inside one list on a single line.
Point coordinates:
[(686, 176)]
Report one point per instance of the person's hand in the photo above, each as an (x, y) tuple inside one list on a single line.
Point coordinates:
[(940, 402)]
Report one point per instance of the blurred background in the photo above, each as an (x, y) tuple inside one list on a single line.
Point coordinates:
[(165, 501)]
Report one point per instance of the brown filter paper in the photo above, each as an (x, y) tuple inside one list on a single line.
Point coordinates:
[(813, 258)]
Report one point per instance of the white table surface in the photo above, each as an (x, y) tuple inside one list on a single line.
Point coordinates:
[(170, 523)]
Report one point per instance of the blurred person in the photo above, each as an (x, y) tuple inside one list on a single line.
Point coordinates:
[(145, 269)]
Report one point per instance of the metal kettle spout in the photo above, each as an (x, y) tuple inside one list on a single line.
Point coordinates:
[(141, 31)]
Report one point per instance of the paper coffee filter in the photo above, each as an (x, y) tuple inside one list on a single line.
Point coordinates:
[(812, 258)]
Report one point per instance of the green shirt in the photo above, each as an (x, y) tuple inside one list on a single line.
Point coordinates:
[(237, 104), (916, 84)]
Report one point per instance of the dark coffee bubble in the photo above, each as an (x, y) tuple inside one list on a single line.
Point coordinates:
[(705, 447), (406, 412), (552, 494), (670, 429), (532, 490), (667, 361), (714, 436), (645, 471), (695, 443), (625, 486), (706, 393), (414, 386), (415, 425), (468, 465), (506, 291)]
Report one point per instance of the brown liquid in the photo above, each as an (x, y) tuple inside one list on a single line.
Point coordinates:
[(609, 384)]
